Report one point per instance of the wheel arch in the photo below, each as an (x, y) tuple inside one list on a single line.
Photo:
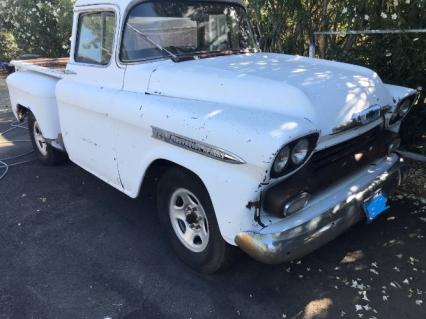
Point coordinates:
[(229, 187), (156, 170), (22, 112)]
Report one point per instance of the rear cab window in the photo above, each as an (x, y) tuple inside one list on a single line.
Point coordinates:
[(95, 38)]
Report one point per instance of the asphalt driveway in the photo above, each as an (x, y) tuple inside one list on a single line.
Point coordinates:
[(73, 247)]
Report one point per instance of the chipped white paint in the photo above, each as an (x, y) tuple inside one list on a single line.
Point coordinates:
[(248, 104)]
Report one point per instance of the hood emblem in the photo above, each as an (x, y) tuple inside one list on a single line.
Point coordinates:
[(370, 114)]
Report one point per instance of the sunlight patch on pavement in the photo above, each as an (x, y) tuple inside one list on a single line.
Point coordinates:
[(317, 309), (352, 257)]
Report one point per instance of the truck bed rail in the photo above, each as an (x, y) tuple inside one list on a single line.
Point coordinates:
[(48, 66)]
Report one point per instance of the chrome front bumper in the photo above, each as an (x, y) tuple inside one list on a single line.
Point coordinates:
[(327, 215)]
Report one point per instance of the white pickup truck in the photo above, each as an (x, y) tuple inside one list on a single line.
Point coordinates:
[(273, 153)]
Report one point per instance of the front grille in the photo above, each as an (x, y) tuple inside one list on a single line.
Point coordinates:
[(329, 166), (367, 145), (344, 150)]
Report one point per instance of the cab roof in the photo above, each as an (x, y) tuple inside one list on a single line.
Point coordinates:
[(123, 4)]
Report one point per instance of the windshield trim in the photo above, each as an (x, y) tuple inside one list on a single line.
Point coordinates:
[(165, 57)]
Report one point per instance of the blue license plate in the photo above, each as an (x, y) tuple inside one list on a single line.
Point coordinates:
[(375, 206)]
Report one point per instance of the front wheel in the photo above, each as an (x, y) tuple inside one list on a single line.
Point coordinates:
[(186, 211), (46, 153)]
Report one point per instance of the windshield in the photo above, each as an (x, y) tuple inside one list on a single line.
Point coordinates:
[(185, 29)]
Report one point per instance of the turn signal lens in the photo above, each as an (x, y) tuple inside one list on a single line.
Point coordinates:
[(300, 151), (297, 203)]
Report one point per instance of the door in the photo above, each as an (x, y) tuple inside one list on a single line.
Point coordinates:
[(88, 94)]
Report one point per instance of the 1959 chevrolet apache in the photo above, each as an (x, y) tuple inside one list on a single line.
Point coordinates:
[(273, 153)]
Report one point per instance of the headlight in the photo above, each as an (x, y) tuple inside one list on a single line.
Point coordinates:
[(293, 155), (300, 151), (402, 109), (282, 159)]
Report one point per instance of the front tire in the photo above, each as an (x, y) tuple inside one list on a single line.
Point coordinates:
[(186, 211), (47, 154)]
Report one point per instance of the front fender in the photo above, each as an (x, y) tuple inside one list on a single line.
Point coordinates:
[(254, 136), (399, 93), (230, 186)]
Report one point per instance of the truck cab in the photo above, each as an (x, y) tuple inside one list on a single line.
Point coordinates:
[(272, 153)]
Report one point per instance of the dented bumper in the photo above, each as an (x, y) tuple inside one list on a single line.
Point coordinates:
[(327, 216)]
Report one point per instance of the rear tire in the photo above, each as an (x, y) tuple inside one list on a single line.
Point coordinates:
[(187, 213), (47, 154)]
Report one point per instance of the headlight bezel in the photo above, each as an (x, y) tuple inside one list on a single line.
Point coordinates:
[(396, 115), (292, 167)]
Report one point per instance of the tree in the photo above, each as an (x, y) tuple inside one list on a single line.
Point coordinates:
[(8, 46), (287, 26), (39, 27)]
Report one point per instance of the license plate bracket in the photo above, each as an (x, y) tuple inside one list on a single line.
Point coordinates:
[(375, 206)]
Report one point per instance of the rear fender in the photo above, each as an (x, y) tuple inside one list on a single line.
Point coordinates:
[(35, 92)]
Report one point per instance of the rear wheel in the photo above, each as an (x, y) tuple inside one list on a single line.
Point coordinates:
[(47, 154), (186, 211)]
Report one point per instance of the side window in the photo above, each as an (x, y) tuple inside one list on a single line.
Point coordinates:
[(95, 38)]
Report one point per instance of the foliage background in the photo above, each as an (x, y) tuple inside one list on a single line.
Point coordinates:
[(39, 27), (44, 27), (287, 26)]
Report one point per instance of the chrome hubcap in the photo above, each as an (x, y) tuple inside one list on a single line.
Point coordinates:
[(39, 139), (189, 220)]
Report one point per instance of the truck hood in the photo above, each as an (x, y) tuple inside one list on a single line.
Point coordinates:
[(324, 93)]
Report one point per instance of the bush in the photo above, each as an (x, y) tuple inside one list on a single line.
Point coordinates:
[(287, 26), (8, 47), (402, 62), (39, 27)]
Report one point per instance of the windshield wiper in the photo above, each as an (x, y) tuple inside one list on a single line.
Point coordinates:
[(226, 52), (201, 54), (173, 56)]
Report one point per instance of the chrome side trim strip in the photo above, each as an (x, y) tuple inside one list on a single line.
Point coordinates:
[(196, 146)]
